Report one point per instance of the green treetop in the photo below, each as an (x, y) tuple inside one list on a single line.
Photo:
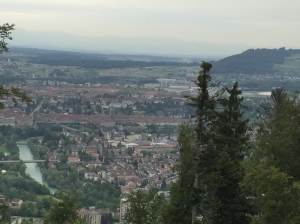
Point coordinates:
[(13, 93)]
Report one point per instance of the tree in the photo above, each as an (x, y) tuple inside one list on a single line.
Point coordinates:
[(135, 163), (4, 213), (64, 211), (13, 93), (63, 159), (274, 194), (5, 33), (179, 207), (129, 150), (107, 218), (272, 177), (204, 103), (279, 132), (221, 145), (163, 184), (144, 207), (225, 200)]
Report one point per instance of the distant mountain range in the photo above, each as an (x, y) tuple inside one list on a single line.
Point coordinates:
[(124, 45)]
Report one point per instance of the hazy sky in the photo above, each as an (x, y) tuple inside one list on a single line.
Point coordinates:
[(259, 23)]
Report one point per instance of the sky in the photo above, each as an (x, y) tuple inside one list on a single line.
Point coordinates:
[(258, 23)]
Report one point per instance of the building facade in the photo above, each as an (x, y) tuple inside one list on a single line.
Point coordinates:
[(90, 216), (124, 206)]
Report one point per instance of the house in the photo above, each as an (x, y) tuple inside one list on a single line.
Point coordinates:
[(52, 166), (16, 202), (91, 176), (15, 219), (73, 159), (90, 149)]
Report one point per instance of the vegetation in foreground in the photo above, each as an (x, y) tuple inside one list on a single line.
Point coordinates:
[(223, 177)]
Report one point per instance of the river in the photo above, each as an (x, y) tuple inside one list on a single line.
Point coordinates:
[(32, 168)]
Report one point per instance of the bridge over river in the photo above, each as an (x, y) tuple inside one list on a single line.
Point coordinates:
[(26, 161)]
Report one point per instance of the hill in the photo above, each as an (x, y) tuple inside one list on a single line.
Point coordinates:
[(258, 61)]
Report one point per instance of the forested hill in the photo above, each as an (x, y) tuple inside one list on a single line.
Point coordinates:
[(253, 61)]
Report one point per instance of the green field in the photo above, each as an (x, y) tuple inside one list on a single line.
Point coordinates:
[(155, 71), (158, 71), (35, 69), (3, 149), (291, 64)]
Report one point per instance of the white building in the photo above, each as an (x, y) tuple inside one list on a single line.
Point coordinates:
[(164, 83), (124, 205), (90, 216), (7, 121)]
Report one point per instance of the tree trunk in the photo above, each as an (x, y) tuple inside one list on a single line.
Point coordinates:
[(194, 210)]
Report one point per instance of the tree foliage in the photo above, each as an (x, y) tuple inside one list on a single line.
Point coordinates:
[(221, 145), (5, 33), (64, 212), (225, 200), (272, 177), (144, 207), (4, 212), (13, 93), (179, 208), (205, 114)]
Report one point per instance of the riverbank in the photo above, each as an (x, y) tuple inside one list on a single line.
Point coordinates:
[(33, 169), (40, 153)]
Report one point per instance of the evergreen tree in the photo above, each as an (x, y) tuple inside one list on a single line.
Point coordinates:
[(274, 194), (179, 207), (163, 184), (273, 177), (225, 200), (278, 139), (204, 103), (221, 139)]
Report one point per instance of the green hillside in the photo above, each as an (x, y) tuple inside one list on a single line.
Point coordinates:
[(260, 61), (291, 64)]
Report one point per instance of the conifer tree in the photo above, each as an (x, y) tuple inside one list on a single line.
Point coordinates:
[(225, 200), (204, 103), (272, 176), (221, 138), (278, 139), (179, 208)]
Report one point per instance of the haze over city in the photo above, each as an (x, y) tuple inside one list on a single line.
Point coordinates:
[(232, 26)]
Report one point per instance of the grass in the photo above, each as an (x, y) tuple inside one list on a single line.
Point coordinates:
[(3, 149), (291, 64), (34, 68), (40, 197), (35, 219)]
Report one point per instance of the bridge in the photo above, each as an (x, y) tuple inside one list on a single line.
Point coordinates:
[(69, 129), (22, 143), (26, 161)]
